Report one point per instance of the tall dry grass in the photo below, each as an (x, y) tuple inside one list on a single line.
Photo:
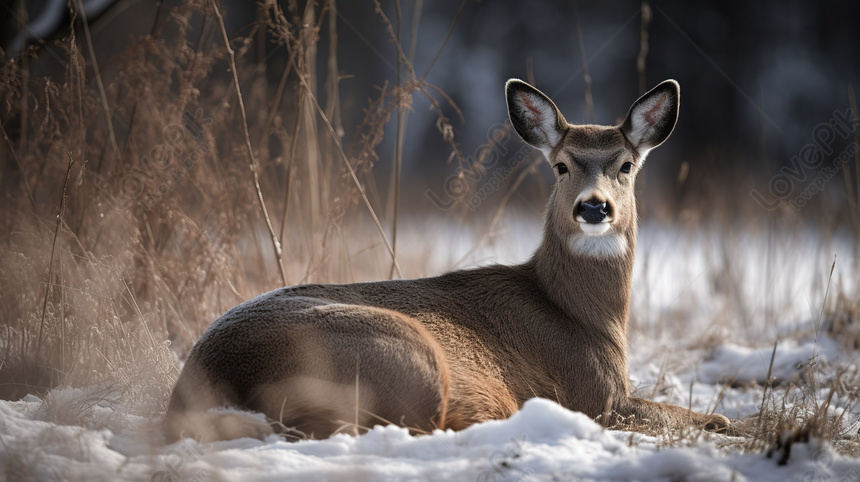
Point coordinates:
[(151, 194)]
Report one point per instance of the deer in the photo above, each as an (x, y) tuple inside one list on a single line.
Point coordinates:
[(467, 346)]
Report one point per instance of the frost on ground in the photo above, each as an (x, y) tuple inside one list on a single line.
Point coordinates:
[(707, 312)]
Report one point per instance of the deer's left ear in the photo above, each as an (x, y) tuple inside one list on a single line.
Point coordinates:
[(652, 118)]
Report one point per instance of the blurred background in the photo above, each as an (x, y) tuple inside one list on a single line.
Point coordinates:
[(142, 198), (757, 78)]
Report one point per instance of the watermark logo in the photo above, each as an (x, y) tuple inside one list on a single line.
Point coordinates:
[(824, 470), (471, 185), (160, 170), (176, 458), (784, 187), (502, 463)]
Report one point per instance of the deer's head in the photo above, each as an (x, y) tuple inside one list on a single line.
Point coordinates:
[(592, 206)]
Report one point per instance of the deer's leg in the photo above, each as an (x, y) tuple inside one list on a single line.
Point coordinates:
[(475, 397), (638, 413), (353, 367), (199, 409)]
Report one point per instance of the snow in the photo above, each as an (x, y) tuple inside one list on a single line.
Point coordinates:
[(731, 362), (543, 441), (690, 334)]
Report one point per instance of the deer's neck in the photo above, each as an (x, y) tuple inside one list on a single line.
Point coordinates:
[(588, 289)]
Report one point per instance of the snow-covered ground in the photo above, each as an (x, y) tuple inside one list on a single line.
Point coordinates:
[(543, 441), (708, 308)]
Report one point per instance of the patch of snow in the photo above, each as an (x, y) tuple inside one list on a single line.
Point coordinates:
[(736, 363)]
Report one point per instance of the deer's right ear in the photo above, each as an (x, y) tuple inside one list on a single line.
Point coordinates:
[(534, 116)]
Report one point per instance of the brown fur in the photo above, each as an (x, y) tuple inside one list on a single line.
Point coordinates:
[(466, 346)]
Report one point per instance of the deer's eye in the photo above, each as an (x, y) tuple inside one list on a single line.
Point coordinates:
[(626, 167), (561, 168)]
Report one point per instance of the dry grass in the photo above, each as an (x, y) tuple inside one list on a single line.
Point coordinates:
[(122, 240)]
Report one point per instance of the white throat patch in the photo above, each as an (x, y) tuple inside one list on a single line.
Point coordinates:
[(606, 246)]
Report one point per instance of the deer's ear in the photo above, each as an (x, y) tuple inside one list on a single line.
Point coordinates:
[(652, 118), (535, 118)]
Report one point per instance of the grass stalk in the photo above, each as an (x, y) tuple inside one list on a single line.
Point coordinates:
[(402, 114), (291, 167), (252, 162), (643, 47), (398, 141), (291, 160), (332, 108), (767, 386), (641, 64), (60, 213), (589, 102), (357, 386), (276, 102), (97, 74), (855, 203), (445, 42), (530, 71), (21, 171), (313, 159), (818, 322), (824, 301), (25, 74)]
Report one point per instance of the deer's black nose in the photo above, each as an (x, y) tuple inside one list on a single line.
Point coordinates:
[(593, 211)]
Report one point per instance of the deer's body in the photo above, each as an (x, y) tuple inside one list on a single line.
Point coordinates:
[(466, 346)]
